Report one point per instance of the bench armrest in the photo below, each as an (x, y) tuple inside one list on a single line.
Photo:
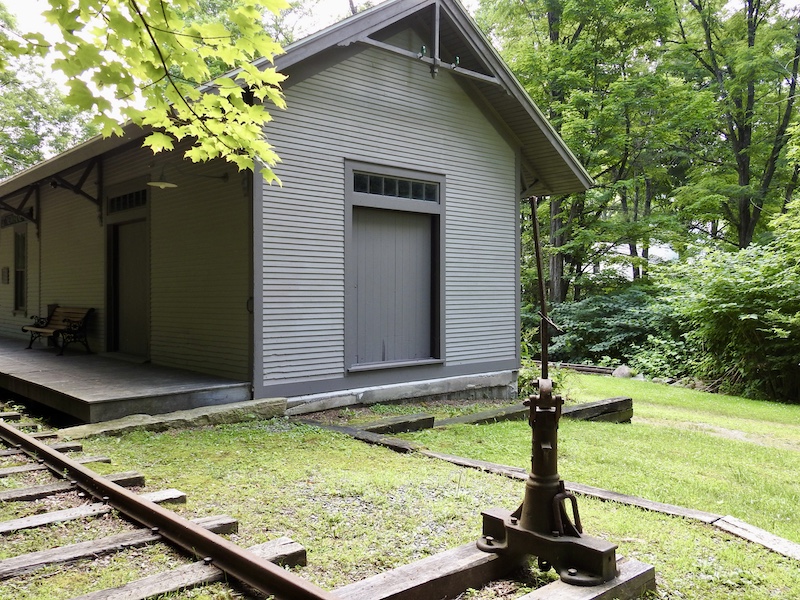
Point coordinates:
[(39, 321)]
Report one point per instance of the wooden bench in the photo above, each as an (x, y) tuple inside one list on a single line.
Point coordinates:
[(68, 323)]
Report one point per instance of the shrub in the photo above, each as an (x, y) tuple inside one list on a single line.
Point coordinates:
[(740, 313), (530, 370), (603, 328), (663, 355)]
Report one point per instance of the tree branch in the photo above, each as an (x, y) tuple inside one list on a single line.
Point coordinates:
[(169, 77)]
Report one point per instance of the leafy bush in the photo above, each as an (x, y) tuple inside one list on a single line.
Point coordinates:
[(729, 318), (663, 355), (530, 369), (603, 328), (740, 313)]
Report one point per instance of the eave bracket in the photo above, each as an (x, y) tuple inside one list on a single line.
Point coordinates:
[(95, 164), (22, 212)]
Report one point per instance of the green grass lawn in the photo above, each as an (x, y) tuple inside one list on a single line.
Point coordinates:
[(360, 510), (720, 454)]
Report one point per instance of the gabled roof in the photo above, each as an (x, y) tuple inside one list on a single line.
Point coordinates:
[(457, 46)]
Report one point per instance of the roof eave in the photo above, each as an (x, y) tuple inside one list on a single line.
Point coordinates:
[(70, 159), (342, 34)]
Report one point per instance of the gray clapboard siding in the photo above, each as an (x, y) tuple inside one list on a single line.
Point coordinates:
[(72, 257), (384, 109), (200, 285)]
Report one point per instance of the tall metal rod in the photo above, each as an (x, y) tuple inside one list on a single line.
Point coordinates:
[(225, 555), (544, 334), (541, 525)]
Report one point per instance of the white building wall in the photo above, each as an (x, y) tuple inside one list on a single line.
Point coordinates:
[(11, 321), (72, 246)]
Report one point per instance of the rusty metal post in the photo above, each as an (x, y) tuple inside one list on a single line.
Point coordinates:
[(541, 526), (543, 481)]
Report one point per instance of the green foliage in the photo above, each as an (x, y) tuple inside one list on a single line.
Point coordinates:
[(681, 111), (147, 61), (603, 326), (530, 369), (36, 121), (741, 312), (741, 64), (662, 355), (592, 68)]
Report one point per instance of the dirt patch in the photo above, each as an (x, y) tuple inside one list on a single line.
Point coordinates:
[(723, 432)]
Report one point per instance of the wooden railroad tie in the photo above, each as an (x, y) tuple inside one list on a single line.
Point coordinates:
[(82, 512), (9, 471), (450, 573), (27, 563), (58, 446), (126, 479), (283, 551)]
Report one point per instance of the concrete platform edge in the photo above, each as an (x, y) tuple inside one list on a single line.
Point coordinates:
[(234, 412)]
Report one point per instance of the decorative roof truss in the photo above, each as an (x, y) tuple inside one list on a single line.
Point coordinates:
[(21, 209), (430, 56), (95, 164)]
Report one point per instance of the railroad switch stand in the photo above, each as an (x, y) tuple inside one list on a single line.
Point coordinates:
[(541, 526)]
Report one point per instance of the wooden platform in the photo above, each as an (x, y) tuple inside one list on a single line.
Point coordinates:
[(94, 388)]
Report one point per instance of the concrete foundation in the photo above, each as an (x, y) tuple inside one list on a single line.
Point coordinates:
[(500, 385)]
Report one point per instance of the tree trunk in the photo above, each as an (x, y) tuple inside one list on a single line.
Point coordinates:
[(577, 293), (649, 192), (557, 288)]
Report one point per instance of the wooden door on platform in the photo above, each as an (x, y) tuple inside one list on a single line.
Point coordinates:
[(131, 298)]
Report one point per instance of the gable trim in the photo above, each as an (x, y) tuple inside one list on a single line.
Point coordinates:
[(434, 63)]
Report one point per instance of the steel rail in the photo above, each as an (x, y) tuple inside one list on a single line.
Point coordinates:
[(225, 555)]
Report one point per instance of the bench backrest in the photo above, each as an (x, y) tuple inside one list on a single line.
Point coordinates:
[(75, 315)]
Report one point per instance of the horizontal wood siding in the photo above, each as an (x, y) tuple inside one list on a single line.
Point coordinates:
[(200, 240), (388, 110), (303, 270), (200, 271), (72, 261), (65, 262), (12, 321)]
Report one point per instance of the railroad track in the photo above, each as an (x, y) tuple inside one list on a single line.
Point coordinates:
[(50, 485), (587, 369)]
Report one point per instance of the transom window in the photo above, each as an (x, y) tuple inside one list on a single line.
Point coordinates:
[(127, 201), (395, 187), (13, 219)]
